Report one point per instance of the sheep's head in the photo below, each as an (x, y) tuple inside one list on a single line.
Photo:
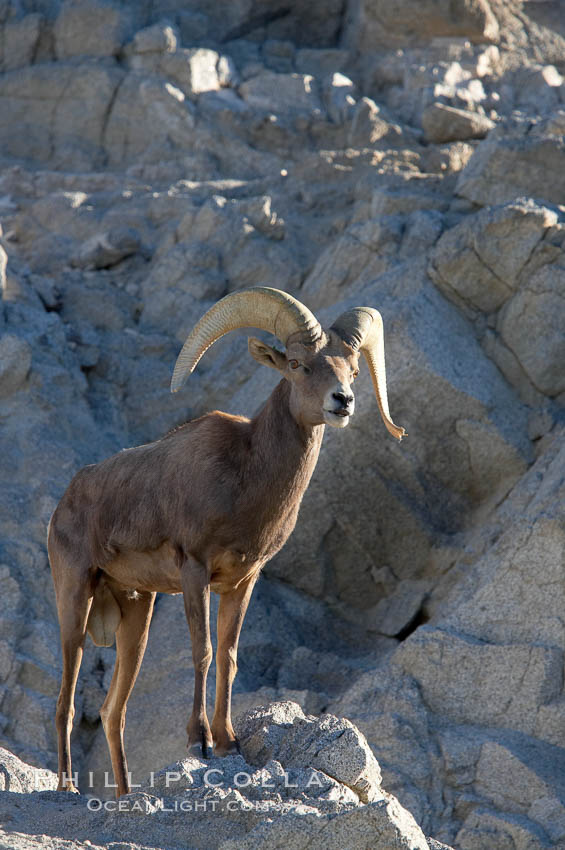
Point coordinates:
[(321, 375), (320, 365)]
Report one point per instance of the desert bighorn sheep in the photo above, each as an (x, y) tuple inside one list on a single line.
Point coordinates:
[(203, 508)]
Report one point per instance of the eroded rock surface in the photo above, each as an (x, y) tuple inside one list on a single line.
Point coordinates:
[(405, 156), (300, 780)]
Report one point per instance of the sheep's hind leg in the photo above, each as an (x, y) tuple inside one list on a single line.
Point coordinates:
[(196, 591), (131, 640), (74, 593), (231, 612)]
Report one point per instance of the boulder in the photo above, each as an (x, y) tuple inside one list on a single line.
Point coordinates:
[(484, 823), (289, 96), (72, 99), (320, 62), (367, 124), (499, 726), (158, 38), (339, 99), (445, 124), (537, 88), (226, 797), (517, 780), (15, 362), (531, 327), (510, 258), (380, 825), (149, 117), (278, 55), (90, 28), (334, 746), (18, 777), (228, 75), (104, 250), (506, 167), (194, 69), (511, 680), (377, 22), (128, 116), (456, 79), (20, 41), (479, 262)]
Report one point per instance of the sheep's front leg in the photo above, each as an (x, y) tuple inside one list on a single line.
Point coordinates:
[(231, 613), (196, 592)]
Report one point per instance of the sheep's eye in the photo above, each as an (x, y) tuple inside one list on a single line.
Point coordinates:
[(356, 373), (294, 364)]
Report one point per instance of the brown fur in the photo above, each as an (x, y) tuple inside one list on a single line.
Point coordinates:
[(203, 508)]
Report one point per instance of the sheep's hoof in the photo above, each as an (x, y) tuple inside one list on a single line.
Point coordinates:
[(232, 749), (70, 788), (201, 750)]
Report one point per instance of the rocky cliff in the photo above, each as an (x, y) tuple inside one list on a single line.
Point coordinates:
[(409, 156)]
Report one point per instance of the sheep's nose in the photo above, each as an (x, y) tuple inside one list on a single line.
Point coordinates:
[(344, 400)]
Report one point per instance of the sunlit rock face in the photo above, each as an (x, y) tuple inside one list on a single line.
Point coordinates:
[(353, 154)]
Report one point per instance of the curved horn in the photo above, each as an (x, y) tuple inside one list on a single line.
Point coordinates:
[(261, 307), (362, 329)]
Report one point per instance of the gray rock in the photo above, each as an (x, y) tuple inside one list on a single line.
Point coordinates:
[(549, 813), (107, 249), (222, 251), (201, 70), (507, 167), (228, 74), (482, 824), (367, 125), (18, 777), (339, 97), (420, 596), (287, 95), (15, 362), (555, 124), (537, 88), (321, 61), (445, 124), (422, 231), (47, 95), (89, 28), (281, 731), (226, 797), (479, 261), (278, 55), (193, 70), (531, 326), (158, 38), (21, 37), (376, 22), (518, 785), (382, 825), (400, 608), (510, 680), (194, 26)]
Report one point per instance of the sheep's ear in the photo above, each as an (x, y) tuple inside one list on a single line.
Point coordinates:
[(267, 356)]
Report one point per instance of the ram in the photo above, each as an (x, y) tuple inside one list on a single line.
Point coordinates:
[(203, 508)]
